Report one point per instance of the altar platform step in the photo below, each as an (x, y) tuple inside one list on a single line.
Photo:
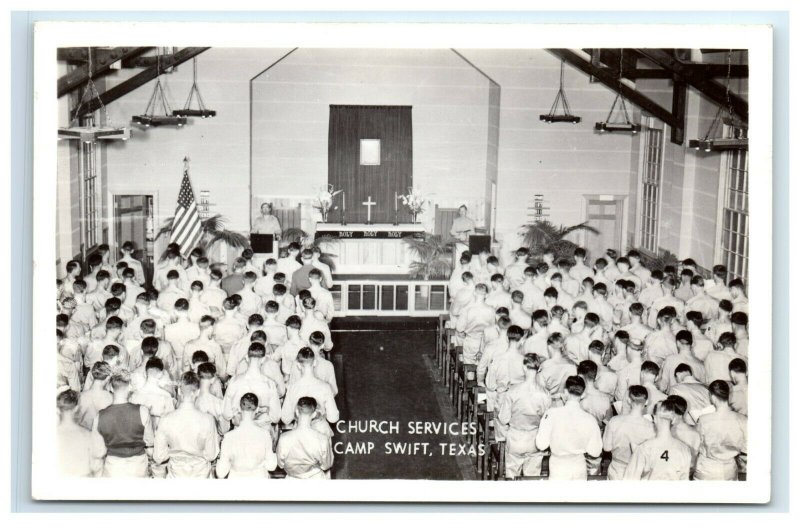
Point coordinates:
[(383, 324)]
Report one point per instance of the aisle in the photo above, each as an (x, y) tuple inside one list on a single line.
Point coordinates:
[(393, 384)]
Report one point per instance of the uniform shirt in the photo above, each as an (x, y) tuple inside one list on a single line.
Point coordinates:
[(288, 266), (515, 275), (267, 224), (238, 352), (738, 398), (665, 301), (701, 345), (472, 322), (270, 369), (505, 370), (98, 298), (603, 309), (168, 297), (621, 434), (315, 322), (628, 375), (165, 353), (719, 292), (597, 404), (741, 305), (666, 377), (210, 347), (687, 434), (537, 343), (324, 301), (213, 296), (94, 351), (659, 345), (90, 402), (67, 376), (553, 372), (650, 294), (286, 306), (84, 314), (299, 279), (258, 384), (498, 298), (637, 331), (660, 459), (209, 403), (246, 452), (490, 352), (323, 370), (319, 391), (695, 393), (723, 436), (276, 332), (157, 400), (263, 285), (569, 431), (195, 273), (580, 271), (520, 317), (716, 364), (533, 297), (286, 354), (138, 269), (74, 450), (684, 292), (178, 334), (654, 396), (188, 438), (705, 305), (327, 277), (228, 330), (305, 453), (251, 302), (161, 282)]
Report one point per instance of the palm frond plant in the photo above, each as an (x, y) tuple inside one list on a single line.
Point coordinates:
[(213, 231), (543, 235), (433, 256), (657, 262)]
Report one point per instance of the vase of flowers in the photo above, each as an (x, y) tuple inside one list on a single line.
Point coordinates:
[(415, 202), (324, 201)]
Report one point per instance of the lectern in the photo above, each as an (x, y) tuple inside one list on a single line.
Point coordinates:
[(262, 242), (479, 243)]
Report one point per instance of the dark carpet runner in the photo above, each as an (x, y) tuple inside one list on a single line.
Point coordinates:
[(384, 366)]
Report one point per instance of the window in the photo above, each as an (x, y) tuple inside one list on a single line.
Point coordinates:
[(734, 242), (370, 152), (651, 189), (91, 191)]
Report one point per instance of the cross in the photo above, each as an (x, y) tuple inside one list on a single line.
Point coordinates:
[(369, 203)]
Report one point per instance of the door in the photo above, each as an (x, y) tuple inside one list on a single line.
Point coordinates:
[(133, 221), (353, 131), (603, 213)]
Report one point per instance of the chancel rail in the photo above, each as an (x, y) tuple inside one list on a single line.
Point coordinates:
[(367, 234), (376, 297)]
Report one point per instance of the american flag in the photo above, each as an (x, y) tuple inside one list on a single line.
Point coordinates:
[(186, 228)]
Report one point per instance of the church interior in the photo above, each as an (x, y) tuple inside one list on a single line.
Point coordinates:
[(375, 156)]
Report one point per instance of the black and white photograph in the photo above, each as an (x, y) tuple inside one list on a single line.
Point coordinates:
[(525, 259)]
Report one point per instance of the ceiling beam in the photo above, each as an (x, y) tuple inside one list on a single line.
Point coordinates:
[(140, 79), (101, 65), (713, 90), (611, 81)]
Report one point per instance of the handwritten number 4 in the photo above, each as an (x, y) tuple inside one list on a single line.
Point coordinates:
[(665, 455)]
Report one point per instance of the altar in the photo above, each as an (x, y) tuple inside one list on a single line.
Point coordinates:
[(369, 248)]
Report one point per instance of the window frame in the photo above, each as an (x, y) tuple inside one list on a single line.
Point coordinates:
[(725, 254), (649, 126)]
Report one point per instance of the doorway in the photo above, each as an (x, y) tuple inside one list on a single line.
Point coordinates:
[(603, 213), (133, 221)]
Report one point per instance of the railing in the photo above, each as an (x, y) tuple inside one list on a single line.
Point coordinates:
[(375, 297)]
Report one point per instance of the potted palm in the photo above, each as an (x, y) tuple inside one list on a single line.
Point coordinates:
[(433, 256), (542, 235), (214, 233)]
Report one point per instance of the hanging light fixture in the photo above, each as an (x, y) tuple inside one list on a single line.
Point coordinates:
[(561, 99), (158, 99), (187, 109), (618, 126), (715, 140), (90, 133)]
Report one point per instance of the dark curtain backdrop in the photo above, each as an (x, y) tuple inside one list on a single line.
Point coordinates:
[(348, 126)]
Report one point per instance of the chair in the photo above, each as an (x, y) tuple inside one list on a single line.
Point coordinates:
[(456, 361), (483, 426), (473, 409), (441, 340), (466, 379), (447, 355), (497, 461)]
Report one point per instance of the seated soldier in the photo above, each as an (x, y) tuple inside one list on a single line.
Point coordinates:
[(246, 451), (304, 452)]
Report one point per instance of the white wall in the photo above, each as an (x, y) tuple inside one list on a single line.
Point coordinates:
[(561, 161), (450, 110)]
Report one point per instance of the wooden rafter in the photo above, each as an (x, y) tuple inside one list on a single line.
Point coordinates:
[(101, 65), (142, 78), (704, 84), (611, 81)]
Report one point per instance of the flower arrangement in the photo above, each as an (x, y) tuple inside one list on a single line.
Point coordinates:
[(324, 201), (415, 202)]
